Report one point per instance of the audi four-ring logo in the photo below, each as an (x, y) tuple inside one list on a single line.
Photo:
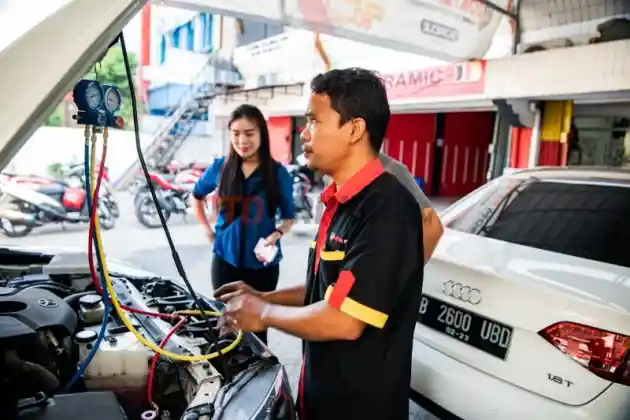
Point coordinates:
[(462, 292)]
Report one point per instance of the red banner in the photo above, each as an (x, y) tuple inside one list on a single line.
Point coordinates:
[(451, 80), (280, 138)]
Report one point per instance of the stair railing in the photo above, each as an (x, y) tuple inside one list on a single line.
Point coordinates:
[(199, 81)]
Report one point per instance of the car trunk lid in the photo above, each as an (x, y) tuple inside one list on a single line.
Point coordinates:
[(486, 302)]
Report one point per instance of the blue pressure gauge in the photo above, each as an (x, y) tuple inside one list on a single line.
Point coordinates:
[(112, 98), (88, 95), (97, 104)]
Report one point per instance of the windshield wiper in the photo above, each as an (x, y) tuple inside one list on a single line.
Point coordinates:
[(503, 204)]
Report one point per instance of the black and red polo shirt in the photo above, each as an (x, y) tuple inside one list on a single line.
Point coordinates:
[(367, 261)]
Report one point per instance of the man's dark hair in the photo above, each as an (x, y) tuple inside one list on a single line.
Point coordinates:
[(357, 93)]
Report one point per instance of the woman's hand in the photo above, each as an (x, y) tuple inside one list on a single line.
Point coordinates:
[(273, 238), (268, 243)]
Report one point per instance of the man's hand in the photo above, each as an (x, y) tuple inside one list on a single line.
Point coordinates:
[(246, 312), (432, 232), (232, 290)]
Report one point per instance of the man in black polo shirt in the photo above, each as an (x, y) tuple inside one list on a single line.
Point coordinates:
[(358, 308)]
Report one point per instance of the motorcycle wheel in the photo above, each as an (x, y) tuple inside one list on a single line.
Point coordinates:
[(107, 221), (305, 214), (139, 195), (146, 213), (112, 205), (9, 229)]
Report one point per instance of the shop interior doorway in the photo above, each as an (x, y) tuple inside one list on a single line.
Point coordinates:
[(600, 137)]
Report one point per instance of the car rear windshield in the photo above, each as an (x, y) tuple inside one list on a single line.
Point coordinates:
[(580, 219)]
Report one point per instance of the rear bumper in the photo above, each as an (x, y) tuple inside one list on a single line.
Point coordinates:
[(472, 395)]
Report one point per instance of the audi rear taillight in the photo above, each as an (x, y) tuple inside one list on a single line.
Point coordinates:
[(604, 353)]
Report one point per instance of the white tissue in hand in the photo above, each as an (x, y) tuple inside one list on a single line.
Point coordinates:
[(264, 251)]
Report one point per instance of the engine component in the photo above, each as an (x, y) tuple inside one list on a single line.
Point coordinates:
[(121, 363), (91, 309), (36, 310), (32, 372), (86, 405), (149, 415), (207, 383), (14, 333)]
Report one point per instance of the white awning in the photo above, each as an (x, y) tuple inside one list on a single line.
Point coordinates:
[(452, 30)]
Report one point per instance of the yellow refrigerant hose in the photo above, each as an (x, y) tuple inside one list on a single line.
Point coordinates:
[(112, 292)]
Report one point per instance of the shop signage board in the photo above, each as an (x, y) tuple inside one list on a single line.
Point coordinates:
[(451, 80), (451, 30)]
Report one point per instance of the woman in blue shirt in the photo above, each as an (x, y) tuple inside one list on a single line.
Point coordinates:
[(251, 188)]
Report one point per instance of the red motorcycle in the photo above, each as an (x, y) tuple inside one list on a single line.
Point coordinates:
[(173, 197), (174, 173), (73, 177), (26, 205)]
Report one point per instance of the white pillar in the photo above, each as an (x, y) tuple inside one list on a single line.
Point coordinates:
[(534, 147)]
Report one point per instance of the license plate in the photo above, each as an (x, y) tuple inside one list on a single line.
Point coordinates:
[(475, 330)]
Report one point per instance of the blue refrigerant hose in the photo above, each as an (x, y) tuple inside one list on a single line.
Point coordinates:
[(101, 334)]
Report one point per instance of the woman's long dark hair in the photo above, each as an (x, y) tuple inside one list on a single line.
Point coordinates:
[(232, 178)]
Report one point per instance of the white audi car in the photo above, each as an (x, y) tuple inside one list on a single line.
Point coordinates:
[(525, 312)]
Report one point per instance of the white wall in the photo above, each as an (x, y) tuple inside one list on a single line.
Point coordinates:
[(150, 124), (63, 145), (224, 36), (51, 145), (200, 149), (567, 71)]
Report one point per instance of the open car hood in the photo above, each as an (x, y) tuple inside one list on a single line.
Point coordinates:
[(43, 65)]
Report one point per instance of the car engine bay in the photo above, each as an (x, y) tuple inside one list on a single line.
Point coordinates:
[(50, 316)]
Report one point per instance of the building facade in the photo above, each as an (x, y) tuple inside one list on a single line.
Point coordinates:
[(551, 87), (560, 95)]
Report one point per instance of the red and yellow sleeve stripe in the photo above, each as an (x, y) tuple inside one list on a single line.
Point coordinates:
[(337, 297)]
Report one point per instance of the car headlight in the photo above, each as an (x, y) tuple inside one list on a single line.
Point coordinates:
[(267, 396), (282, 407)]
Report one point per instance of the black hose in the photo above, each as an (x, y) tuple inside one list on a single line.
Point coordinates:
[(49, 286), (176, 259), (24, 370)]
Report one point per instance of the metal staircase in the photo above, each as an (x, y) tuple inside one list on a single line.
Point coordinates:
[(179, 124)]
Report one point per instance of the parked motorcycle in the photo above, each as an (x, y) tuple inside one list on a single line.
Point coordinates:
[(162, 180), (314, 178), (175, 167), (74, 177), (23, 208), (173, 199), (301, 187)]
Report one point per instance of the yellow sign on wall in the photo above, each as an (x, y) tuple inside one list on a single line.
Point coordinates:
[(556, 120)]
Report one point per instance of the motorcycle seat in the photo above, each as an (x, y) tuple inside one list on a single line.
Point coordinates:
[(165, 177), (184, 187), (51, 189)]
